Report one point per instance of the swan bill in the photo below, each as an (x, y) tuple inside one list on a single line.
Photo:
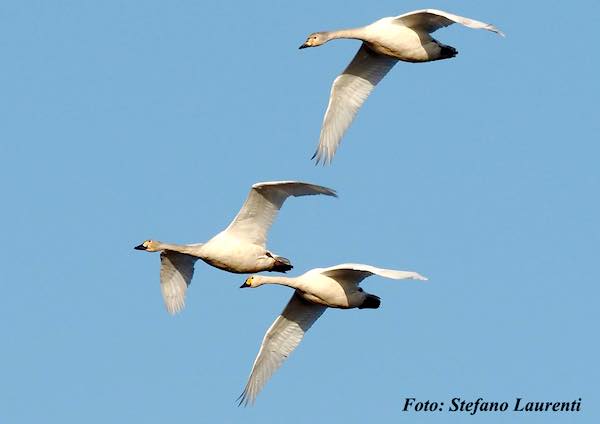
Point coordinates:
[(247, 283)]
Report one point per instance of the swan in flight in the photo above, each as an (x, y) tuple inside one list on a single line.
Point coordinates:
[(384, 42), (316, 290), (240, 248)]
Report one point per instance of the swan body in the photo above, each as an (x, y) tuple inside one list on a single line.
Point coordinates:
[(315, 291), (240, 248), (405, 38)]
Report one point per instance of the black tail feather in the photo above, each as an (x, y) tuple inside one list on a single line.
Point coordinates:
[(371, 302), (281, 264), (447, 51)]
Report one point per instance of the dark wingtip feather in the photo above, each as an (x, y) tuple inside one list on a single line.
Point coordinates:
[(242, 399), (320, 160)]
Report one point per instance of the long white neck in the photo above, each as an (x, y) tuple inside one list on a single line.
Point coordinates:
[(259, 280), (355, 33), (194, 250)]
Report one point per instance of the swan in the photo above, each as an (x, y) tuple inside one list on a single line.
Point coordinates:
[(315, 291), (240, 248), (385, 42)]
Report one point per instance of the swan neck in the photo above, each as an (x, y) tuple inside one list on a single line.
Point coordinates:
[(181, 248), (355, 33), (282, 281)]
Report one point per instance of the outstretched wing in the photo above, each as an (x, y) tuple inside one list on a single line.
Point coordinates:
[(176, 272), (348, 92), (284, 335), (355, 273), (264, 201), (430, 20)]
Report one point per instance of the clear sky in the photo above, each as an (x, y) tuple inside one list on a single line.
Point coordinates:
[(122, 121)]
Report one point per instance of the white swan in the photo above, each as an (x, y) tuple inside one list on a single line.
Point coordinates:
[(385, 42), (240, 248), (317, 289)]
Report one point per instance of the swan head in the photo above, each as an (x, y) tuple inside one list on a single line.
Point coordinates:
[(148, 245), (315, 39), (253, 281), (248, 283)]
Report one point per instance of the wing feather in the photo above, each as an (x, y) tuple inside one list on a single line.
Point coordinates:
[(348, 92), (355, 273), (176, 272), (262, 204), (430, 20), (284, 335)]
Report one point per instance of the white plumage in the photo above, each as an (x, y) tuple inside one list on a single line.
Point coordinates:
[(240, 248), (315, 290), (385, 42)]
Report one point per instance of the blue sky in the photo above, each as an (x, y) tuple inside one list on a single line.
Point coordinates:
[(122, 121)]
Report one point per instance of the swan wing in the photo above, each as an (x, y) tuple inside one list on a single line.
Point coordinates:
[(262, 204), (176, 272), (348, 93), (284, 335), (355, 273), (430, 20)]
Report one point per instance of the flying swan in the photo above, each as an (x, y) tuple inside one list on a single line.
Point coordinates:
[(316, 290), (385, 42), (240, 248)]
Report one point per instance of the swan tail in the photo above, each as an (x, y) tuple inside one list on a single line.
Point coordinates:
[(281, 264), (446, 52), (370, 302)]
